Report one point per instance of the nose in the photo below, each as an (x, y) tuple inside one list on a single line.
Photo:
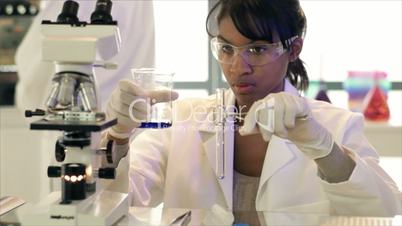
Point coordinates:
[(239, 65)]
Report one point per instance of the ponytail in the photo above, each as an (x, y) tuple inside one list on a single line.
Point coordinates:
[(295, 71)]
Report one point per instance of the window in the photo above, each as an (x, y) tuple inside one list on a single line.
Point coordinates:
[(352, 35), (182, 44)]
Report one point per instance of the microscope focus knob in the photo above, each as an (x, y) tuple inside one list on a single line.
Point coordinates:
[(107, 173), (37, 112), (60, 151), (54, 171), (109, 151)]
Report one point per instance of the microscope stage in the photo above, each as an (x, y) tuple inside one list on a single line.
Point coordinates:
[(64, 125)]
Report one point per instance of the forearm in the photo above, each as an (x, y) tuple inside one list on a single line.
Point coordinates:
[(337, 166)]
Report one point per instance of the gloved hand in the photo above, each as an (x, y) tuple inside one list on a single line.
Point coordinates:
[(123, 98), (289, 117)]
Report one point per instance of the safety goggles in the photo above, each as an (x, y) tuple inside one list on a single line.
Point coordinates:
[(252, 54)]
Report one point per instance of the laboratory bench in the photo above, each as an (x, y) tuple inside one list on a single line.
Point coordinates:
[(219, 216)]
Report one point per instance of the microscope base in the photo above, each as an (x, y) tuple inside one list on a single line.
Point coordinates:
[(102, 208)]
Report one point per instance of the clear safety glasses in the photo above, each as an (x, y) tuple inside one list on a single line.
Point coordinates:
[(252, 54)]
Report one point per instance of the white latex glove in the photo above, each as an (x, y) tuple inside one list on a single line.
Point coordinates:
[(119, 106), (289, 117)]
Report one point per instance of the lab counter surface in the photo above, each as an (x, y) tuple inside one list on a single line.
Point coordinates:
[(385, 137), (161, 216)]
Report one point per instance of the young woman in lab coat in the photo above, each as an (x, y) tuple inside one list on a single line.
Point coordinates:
[(310, 156)]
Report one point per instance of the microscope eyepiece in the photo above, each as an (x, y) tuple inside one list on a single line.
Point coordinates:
[(102, 13), (69, 12)]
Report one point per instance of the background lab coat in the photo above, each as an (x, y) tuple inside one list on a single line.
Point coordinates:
[(136, 24), (177, 166)]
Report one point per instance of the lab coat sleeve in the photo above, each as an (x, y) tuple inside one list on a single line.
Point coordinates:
[(369, 190), (148, 163)]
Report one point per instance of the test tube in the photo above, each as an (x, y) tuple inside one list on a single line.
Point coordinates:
[(220, 133)]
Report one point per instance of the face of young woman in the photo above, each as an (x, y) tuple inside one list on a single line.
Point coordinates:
[(251, 83)]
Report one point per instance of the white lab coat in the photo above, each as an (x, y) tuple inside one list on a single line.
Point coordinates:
[(136, 24), (177, 166)]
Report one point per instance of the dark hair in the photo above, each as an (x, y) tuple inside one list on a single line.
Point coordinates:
[(259, 20)]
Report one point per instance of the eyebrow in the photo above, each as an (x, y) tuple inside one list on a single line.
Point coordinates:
[(251, 41), (224, 39)]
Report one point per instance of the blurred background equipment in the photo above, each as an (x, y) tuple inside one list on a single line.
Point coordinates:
[(359, 83), (15, 19)]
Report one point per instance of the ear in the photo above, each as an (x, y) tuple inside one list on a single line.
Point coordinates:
[(296, 48)]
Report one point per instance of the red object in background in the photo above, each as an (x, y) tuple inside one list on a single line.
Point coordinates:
[(376, 106)]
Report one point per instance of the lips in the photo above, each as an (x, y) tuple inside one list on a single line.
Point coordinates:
[(244, 87)]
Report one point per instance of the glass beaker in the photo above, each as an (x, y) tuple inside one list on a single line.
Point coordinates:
[(159, 115)]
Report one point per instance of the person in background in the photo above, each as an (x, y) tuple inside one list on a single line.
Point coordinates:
[(136, 24)]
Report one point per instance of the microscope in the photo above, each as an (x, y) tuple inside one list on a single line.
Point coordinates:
[(76, 47)]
